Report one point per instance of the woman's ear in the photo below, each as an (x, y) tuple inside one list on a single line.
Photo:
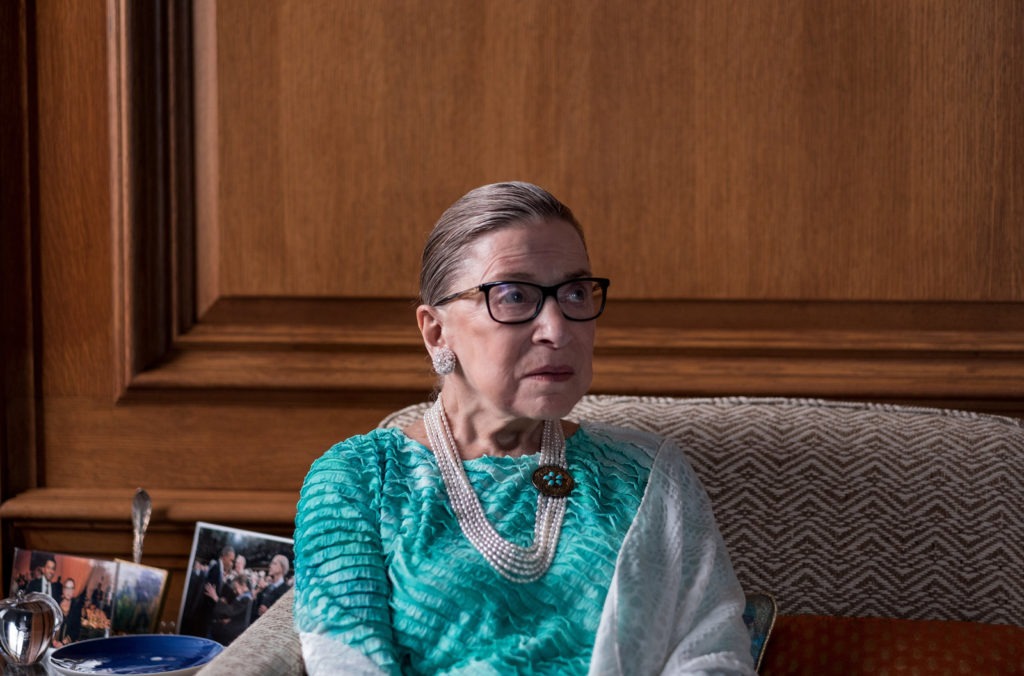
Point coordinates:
[(428, 318)]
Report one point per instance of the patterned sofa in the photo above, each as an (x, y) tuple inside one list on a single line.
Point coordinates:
[(891, 537)]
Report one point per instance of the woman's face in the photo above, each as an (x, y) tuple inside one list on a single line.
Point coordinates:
[(538, 369)]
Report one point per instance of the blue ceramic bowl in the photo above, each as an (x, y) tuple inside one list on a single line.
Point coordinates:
[(165, 654)]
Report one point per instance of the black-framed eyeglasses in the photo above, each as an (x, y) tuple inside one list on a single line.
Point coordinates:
[(580, 300)]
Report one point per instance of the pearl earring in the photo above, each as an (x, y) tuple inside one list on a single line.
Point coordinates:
[(444, 361)]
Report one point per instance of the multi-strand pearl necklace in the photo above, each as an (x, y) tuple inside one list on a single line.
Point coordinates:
[(516, 563)]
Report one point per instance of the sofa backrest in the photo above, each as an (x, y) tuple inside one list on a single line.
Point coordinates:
[(852, 509)]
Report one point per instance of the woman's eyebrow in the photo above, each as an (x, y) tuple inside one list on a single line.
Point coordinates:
[(531, 277)]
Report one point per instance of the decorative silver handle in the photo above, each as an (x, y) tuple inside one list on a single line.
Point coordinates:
[(142, 509)]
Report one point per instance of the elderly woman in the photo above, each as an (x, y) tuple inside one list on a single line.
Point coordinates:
[(492, 536)]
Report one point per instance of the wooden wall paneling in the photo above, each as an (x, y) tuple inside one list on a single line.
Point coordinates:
[(151, 181), (19, 373), (74, 201), (249, 253), (183, 170), (739, 67), (206, 443), (750, 137), (829, 130), (204, 167), (59, 263)]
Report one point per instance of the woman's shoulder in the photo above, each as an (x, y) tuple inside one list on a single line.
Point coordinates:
[(646, 442), (360, 452), (647, 447), (636, 445), (378, 440), (351, 470)]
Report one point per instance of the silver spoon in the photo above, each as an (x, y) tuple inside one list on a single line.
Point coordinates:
[(142, 509)]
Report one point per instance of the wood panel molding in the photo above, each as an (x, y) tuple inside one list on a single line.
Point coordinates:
[(152, 182), (904, 351), (179, 506), (852, 349), (967, 352), (19, 320)]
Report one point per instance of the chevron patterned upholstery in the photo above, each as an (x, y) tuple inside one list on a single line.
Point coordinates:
[(852, 509)]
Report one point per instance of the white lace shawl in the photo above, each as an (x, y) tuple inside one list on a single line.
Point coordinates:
[(674, 605)]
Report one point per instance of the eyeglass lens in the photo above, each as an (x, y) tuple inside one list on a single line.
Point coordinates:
[(578, 299)]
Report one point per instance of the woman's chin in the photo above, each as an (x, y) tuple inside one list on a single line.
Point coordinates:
[(552, 406)]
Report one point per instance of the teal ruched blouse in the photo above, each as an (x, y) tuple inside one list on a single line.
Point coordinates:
[(383, 567)]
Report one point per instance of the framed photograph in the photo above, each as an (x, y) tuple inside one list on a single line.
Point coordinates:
[(83, 587), (234, 576), (138, 597)]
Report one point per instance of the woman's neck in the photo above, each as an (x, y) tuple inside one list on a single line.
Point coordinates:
[(475, 438), (479, 431)]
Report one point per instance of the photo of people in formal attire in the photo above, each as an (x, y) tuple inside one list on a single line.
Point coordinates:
[(234, 576), (82, 587)]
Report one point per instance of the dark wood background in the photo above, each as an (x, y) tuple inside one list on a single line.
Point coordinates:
[(212, 220)]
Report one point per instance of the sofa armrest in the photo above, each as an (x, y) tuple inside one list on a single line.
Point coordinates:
[(269, 646)]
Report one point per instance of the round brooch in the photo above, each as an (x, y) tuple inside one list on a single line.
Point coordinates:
[(553, 481)]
